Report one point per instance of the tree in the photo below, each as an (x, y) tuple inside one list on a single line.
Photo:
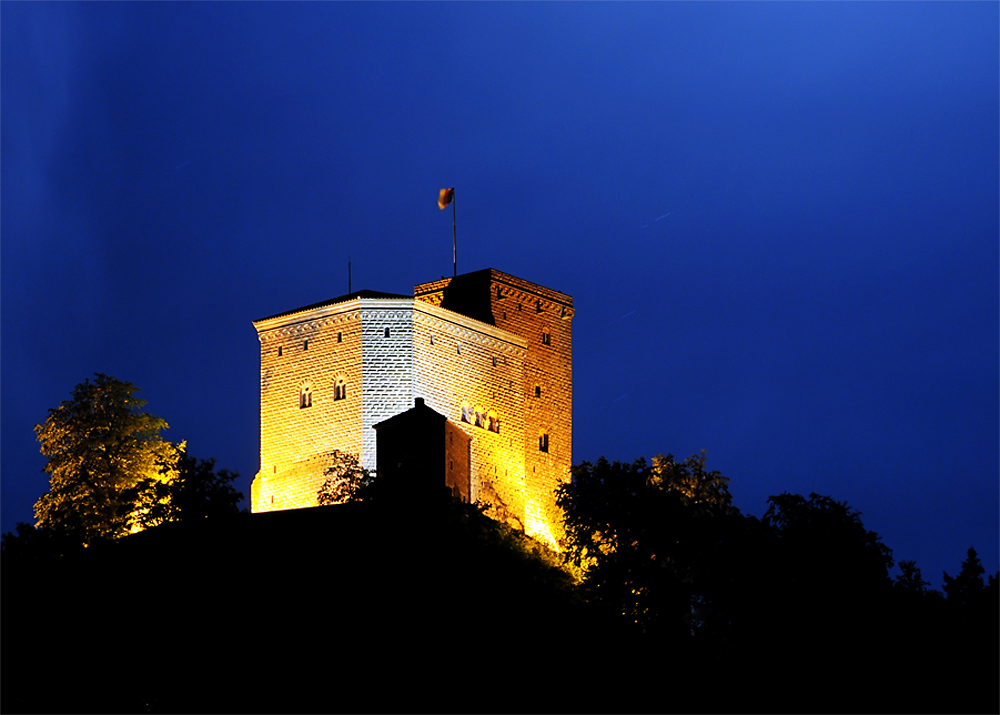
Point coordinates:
[(825, 546), (967, 588), (643, 536), (196, 492), (100, 445), (346, 479), (910, 580)]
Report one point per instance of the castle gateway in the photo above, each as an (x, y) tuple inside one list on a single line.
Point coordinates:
[(490, 352)]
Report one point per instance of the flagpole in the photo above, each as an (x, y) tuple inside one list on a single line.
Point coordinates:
[(454, 234)]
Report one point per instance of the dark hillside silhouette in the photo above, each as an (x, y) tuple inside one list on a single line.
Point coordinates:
[(379, 606)]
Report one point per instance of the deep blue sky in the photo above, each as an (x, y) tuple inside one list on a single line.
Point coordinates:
[(779, 222)]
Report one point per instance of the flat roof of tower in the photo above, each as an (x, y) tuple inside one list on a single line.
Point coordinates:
[(334, 301), (493, 274)]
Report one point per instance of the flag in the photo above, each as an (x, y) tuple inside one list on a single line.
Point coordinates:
[(447, 196)]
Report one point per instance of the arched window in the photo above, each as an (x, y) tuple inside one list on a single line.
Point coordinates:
[(339, 388), (543, 442), (305, 396)]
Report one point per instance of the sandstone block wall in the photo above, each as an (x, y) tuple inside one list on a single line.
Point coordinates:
[(542, 318), (313, 351), (472, 373)]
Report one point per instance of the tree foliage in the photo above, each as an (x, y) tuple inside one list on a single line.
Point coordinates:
[(196, 492), (966, 589), (346, 480), (642, 535), (825, 543), (910, 580), (100, 446)]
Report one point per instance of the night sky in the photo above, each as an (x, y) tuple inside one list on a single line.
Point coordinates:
[(778, 221)]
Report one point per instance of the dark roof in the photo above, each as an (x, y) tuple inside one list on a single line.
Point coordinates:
[(339, 299), (419, 411)]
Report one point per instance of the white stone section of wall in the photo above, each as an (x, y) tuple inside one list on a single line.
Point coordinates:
[(386, 366)]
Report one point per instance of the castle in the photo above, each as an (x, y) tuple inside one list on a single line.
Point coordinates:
[(489, 352)]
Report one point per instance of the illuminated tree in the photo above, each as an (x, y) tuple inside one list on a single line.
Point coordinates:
[(643, 536), (346, 479), (196, 492), (100, 445)]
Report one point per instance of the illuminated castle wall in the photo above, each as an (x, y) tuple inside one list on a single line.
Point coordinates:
[(491, 352)]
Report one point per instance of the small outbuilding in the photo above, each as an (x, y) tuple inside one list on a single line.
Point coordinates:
[(419, 451)]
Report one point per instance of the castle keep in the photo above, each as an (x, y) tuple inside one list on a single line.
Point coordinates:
[(490, 352)]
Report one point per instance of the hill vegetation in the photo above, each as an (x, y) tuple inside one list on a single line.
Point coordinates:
[(376, 606), (143, 589)]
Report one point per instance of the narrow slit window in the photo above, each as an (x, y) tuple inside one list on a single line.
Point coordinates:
[(543, 443), (339, 389), (279, 351), (387, 332), (538, 391), (546, 338), (340, 337), (305, 397), (305, 345)]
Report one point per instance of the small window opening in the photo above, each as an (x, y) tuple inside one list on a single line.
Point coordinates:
[(538, 306), (339, 389), (459, 349), (538, 391), (340, 337), (387, 332), (279, 351), (546, 338), (543, 443), (305, 345), (518, 306), (494, 361), (305, 397), (432, 340)]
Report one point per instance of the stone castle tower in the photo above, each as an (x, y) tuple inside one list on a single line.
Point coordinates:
[(489, 351)]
